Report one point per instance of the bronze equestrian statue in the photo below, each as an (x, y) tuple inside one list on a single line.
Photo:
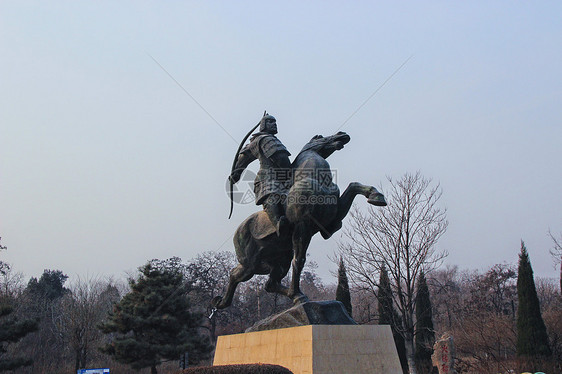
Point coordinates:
[(311, 203)]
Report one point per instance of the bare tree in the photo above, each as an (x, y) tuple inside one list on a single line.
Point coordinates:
[(4, 267), (483, 323), (402, 238), (445, 289), (11, 283), (82, 309), (556, 253), (551, 305), (207, 276), (479, 310)]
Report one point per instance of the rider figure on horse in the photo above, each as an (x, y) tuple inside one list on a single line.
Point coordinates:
[(275, 175)]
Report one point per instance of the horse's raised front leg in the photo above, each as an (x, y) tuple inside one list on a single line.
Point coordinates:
[(301, 240), (346, 199), (344, 204), (237, 275)]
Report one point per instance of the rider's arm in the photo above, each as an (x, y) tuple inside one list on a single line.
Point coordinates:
[(244, 159)]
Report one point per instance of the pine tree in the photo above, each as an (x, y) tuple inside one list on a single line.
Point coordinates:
[(389, 316), (42, 300), (342, 292), (154, 321), (425, 335), (50, 285), (532, 339), (11, 331)]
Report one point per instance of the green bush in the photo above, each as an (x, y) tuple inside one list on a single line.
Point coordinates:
[(238, 369)]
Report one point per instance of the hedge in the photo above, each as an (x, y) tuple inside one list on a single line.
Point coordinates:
[(238, 369)]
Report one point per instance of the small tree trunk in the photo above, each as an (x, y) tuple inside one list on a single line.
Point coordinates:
[(153, 370), (77, 361), (410, 353), (83, 353)]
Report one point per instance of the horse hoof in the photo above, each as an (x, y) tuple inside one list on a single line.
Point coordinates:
[(300, 299), (376, 198)]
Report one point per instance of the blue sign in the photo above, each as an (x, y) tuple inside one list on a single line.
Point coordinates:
[(93, 371)]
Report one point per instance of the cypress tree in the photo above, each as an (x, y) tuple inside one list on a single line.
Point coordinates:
[(389, 316), (154, 321), (425, 335), (385, 299), (342, 292), (532, 339)]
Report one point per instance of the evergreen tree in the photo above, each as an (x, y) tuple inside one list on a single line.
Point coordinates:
[(154, 321), (342, 292), (389, 316), (385, 299), (50, 285), (11, 331), (532, 339), (425, 335), (42, 301)]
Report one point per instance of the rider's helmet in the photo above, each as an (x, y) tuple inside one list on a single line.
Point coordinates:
[(268, 124)]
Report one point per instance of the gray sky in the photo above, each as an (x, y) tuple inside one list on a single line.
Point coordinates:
[(105, 162)]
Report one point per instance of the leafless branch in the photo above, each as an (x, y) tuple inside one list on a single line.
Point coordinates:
[(401, 237)]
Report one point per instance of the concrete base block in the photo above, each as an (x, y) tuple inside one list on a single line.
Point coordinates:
[(318, 349)]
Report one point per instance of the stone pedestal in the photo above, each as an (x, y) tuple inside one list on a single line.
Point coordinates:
[(309, 313), (318, 349)]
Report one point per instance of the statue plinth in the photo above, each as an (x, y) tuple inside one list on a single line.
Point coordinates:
[(308, 313), (318, 349)]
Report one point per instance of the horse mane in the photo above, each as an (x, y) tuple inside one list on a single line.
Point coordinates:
[(313, 143)]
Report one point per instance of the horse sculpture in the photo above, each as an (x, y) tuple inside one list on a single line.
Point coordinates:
[(313, 205)]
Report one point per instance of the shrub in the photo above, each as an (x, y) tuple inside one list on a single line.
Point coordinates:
[(238, 369)]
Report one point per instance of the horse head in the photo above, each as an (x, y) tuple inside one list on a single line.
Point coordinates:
[(326, 145)]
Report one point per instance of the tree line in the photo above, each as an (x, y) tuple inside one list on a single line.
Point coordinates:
[(390, 272), (495, 317), (159, 317), (500, 319)]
